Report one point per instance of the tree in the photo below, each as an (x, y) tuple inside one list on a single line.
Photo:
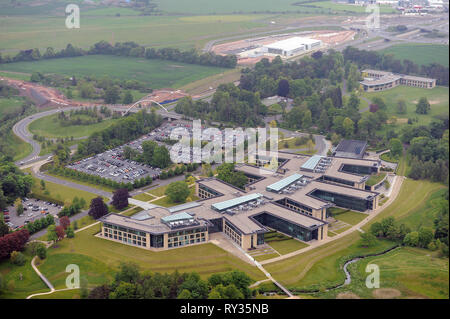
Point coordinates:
[(401, 107), (60, 233), (70, 233), (41, 252), (178, 191), (112, 94), (51, 233), (425, 236), (185, 294), (98, 208), (64, 222), (348, 126), (42, 184), (120, 198), (283, 87), (17, 258), (396, 147), (4, 229), (411, 239), (128, 98), (423, 107)]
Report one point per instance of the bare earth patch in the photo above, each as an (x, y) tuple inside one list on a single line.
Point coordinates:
[(347, 295), (386, 293)]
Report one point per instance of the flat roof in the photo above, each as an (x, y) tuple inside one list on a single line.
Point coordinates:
[(285, 182), (291, 43), (312, 162), (176, 217), (235, 201)]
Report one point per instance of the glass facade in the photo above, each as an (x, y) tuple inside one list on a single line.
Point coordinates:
[(232, 232), (337, 180), (156, 241), (217, 225), (357, 169), (125, 235), (286, 227), (186, 237), (344, 201)]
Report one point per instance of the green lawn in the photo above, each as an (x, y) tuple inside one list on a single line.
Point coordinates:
[(29, 284), (154, 73), (438, 98), (143, 197), (61, 192), (403, 206), (375, 178), (98, 186), (347, 216), (16, 75), (50, 127), (9, 104), (420, 53), (282, 243), (101, 256), (65, 294)]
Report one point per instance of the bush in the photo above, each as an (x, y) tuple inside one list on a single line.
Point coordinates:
[(70, 233), (17, 258), (41, 252)]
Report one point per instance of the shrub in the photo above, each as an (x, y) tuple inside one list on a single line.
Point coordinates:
[(17, 258)]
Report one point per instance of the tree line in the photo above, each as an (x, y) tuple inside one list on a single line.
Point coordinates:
[(387, 62), (129, 49), (13, 182), (123, 131), (229, 104), (130, 283)]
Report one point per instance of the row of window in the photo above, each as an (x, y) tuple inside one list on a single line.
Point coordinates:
[(186, 237), (186, 242), (229, 230), (128, 230), (187, 232), (127, 240)]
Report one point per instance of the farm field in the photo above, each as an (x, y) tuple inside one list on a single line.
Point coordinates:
[(19, 32), (154, 73), (100, 257), (420, 54), (348, 8)]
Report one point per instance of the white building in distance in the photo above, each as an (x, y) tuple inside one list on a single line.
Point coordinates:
[(292, 46)]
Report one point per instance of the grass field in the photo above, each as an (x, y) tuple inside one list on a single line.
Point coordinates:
[(282, 243), (99, 257), (419, 53), (144, 197), (50, 127), (438, 98), (375, 179), (101, 187), (347, 216), (30, 282), (154, 73), (61, 192), (338, 7)]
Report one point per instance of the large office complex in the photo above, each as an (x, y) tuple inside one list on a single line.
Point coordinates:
[(293, 200), (375, 81)]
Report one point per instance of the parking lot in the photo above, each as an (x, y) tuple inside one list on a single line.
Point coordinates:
[(112, 165), (33, 209)]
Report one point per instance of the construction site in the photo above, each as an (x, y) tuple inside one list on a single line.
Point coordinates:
[(252, 50)]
